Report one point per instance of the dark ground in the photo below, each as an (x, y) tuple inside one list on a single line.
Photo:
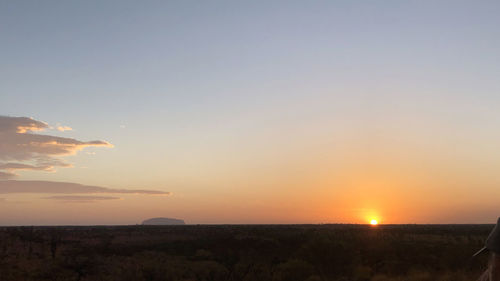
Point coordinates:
[(243, 252)]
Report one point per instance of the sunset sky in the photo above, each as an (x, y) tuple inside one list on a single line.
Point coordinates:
[(112, 112)]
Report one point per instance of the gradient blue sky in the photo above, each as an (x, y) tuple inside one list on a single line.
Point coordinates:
[(265, 111)]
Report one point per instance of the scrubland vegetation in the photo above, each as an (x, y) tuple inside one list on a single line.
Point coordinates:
[(243, 253)]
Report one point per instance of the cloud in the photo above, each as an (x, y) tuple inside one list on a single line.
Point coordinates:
[(6, 175), (81, 199), (20, 166), (64, 128), (21, 124), (21, 148), (50, 187)]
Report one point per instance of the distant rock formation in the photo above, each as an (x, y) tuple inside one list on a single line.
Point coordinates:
[(163, 221)]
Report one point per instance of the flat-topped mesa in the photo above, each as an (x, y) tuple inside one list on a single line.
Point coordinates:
[(163, 221)]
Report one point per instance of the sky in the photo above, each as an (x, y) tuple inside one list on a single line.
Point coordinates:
[(112, 112)]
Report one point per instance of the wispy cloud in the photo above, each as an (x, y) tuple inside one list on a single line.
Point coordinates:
[(64, 128), (20, 166), (81, 198), (6, 175), (50, 187), (21, 148)]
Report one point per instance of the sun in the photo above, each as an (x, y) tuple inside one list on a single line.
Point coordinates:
[(373, 222)]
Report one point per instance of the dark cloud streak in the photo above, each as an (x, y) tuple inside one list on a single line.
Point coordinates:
[(50, 187), (81, 199)]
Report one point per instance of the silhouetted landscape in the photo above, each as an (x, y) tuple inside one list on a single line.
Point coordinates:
[(243, 252)]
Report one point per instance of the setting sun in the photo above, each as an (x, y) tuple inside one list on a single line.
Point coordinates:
[(373, 222)]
